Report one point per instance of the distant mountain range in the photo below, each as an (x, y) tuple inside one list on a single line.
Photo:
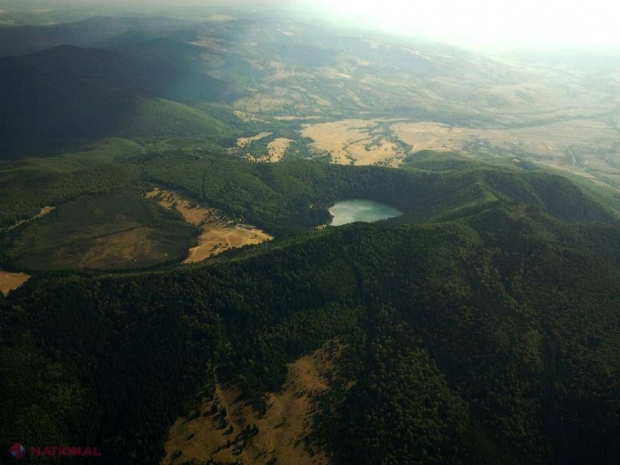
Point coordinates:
[(70, 92)]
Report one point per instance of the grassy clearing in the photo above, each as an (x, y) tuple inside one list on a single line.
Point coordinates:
[(355, 142), (277, 148), (206, 434), (114, 231), (10, 281), (271, 152), (587, 148), (245, 141), (218, 234)]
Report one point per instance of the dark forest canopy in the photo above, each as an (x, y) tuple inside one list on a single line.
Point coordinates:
[(487, 339)]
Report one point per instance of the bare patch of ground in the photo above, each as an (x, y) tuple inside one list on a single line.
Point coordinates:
[(218, 234), (279, 435), (431, 136), (355, 142), (277, 148), (275, 151), (245, 141), (191, 211), (10, 281)]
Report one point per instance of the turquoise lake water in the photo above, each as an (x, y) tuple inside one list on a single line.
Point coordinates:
[(349, 211)]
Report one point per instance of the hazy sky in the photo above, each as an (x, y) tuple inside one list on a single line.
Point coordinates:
[(564, 21), (561, 21)]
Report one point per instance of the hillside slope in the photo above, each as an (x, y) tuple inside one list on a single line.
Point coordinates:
[(69, 92), (462, 344)]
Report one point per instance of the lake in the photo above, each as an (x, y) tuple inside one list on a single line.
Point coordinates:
[(349, 211)]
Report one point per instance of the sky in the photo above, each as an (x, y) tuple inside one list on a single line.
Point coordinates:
[(583, 22), (552, 21)]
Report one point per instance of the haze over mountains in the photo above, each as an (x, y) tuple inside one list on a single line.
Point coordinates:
[(172, 290)]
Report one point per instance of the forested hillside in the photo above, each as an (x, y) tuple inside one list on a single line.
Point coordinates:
[(67, 93), (285, 199), (466, 346)]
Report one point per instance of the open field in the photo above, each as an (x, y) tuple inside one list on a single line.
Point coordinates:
[(281, 432), (217, 235), (584, 147), (355, 142), (546, 141), (10, 281), (119, 249), (116, 231), (192, 213), (245, 141), (126, 244), (588, 148), (275, 151), (277, 148)]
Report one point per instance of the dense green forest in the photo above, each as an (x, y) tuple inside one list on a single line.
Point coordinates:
[(283, 199), (486, 332), (69, 92)]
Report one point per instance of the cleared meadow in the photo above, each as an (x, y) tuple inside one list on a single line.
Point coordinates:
[(206, 434), (217, 235)]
